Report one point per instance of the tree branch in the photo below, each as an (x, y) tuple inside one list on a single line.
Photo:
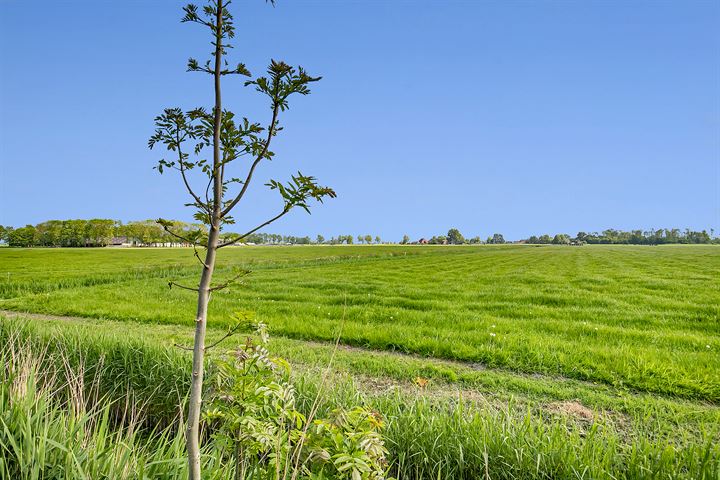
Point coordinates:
[(229, 334), (186, 240), (211, 177), (171, 284), (230, 282), (262, 154), (185, 180), (197, 255), (240, 237)]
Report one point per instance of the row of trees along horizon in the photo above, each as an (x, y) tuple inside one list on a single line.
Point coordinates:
[(101, 232), (610, 236)]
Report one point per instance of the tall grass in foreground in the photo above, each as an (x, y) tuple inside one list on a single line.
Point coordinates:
[(150, 379), (461, 444), (458, 439), (82, 405), (54, 425)]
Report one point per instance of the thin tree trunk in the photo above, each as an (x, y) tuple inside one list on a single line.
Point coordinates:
[(198, 366), (196, 387)]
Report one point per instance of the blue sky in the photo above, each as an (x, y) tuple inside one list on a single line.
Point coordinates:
[(504, 116)]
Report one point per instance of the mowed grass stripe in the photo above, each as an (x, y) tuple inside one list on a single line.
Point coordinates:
[(48, 269)]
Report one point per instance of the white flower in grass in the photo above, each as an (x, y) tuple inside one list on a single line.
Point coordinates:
[(493, 334), (707, 346), (492, 326)]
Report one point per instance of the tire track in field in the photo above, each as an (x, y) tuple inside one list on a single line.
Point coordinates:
[(385, 381), (316, 343)]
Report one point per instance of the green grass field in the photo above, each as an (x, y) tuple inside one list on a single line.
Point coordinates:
[(629, 334)]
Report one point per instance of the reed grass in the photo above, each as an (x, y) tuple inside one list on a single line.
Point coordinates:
[(68, 411)]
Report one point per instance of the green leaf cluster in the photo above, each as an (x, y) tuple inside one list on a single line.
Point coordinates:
[(252, 413), (299, 190)]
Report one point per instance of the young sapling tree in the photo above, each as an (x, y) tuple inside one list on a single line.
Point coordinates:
[(232, 142)]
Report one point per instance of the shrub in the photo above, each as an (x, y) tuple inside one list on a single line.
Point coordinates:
[(254, 419)]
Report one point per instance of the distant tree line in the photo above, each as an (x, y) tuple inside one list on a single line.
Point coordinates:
[(274, 239), (610, 236), (96, 232), (454, 237), (661, 236), (271, 239), (101, 232)]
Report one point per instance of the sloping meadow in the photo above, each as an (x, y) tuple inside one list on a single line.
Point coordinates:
[(643, 318)]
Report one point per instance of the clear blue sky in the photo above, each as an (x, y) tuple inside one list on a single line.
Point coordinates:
[(499, 116)]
